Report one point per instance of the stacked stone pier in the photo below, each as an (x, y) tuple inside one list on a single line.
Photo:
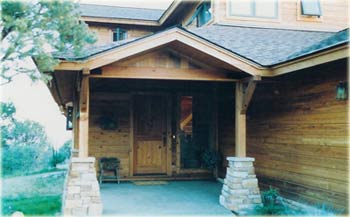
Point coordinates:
[(240, 192), (82, 194)]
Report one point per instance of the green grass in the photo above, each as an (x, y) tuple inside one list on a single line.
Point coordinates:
[(38, 194), (44, 205)]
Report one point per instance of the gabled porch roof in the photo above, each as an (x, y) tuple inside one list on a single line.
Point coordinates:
[(256, 51)]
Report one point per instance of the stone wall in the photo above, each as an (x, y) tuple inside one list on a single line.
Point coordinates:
[(82, 193), (240, 192)]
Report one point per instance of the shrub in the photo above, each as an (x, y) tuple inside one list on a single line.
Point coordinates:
[(272, 204), (62, 154)]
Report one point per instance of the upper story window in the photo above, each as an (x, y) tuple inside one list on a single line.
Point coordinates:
[(254, 8), (311, 8), (119, 34), (202, 15)]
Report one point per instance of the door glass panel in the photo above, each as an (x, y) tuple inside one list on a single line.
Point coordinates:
[(194, 130)]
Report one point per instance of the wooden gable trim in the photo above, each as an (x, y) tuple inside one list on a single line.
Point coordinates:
[(162, 39)]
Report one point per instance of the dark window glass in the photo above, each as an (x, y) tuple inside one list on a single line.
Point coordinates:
[(204, 14), (119, 34)]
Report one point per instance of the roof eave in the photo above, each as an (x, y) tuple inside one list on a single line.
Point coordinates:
[(120, 21), (167, 13), (333, 53)]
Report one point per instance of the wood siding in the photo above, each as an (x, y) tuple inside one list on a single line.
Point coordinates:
[(298, 133), (104, 33), (334, 16), (110, 143)]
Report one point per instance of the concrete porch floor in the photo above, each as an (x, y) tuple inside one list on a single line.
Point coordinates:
[(177, 198)]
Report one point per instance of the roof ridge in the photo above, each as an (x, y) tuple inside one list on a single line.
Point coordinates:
[(273, 28), (116, 6)]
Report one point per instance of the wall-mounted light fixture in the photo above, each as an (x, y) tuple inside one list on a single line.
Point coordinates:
[(342, 91), (69, 120)]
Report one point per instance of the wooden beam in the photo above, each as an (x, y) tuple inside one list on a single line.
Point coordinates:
[(161, 73), (84, 117), (240, 125)]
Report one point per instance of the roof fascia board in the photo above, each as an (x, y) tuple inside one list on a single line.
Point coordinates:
[(157, 40), (329, 55), (169, 11), (120, 21)]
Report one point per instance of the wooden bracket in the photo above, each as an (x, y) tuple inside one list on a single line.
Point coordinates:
[(86, 71), (247, 93)]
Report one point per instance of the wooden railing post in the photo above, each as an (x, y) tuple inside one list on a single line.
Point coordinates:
[(84, 117)]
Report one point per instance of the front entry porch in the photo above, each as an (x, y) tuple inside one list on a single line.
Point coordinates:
[(158, 114), (190, 198)]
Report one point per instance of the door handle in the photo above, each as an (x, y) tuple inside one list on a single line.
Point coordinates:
[(164, 138), (164, 141)]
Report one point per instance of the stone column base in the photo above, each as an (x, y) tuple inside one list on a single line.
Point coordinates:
[(240, 192), (82, 193)]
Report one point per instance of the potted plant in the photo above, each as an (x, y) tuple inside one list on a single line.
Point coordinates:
[(210, 158)]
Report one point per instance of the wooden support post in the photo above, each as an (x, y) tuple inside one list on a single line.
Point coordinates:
[(240, 125), (243, 97), (84, 117)]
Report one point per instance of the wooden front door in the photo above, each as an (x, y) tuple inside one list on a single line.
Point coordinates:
[(150, 141)]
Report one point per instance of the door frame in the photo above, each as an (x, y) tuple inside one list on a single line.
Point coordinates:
[(167, 98)]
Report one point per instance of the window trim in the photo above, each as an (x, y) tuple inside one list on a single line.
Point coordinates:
[(117, 31), (252, 16)]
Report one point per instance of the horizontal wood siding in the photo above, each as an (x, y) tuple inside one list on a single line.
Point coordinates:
[(297, 132), (110, 143)]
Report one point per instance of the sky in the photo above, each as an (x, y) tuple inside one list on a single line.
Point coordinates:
[(33, 101)]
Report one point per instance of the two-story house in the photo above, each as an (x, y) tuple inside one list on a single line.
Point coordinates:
[(263, 80)]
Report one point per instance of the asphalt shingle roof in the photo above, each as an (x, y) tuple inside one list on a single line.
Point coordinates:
[(263, 45), (266, 47), (120, 12)]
